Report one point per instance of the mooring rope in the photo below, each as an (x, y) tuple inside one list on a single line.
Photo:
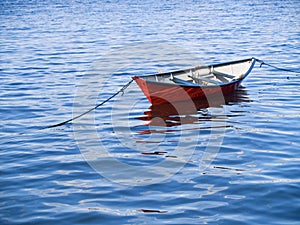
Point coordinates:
[(275, 67), (88, 111)]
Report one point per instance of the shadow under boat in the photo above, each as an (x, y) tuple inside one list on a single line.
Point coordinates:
[(179, 113)]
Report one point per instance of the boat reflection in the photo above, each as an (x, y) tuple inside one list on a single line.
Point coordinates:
[(180, 113)]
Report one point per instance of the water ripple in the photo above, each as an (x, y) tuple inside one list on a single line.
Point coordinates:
[(49, 48)]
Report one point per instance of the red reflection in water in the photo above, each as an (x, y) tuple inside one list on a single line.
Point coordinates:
[(179, 113)]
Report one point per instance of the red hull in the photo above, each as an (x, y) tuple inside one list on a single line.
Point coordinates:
[(160, 93)]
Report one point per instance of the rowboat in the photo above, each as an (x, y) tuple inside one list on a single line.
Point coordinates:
[(200, 83)]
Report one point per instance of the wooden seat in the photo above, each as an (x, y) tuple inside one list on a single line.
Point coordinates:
[(198, 80), (183, 82), (216, 73)]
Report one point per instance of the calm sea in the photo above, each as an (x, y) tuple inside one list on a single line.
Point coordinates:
[(128, 162)]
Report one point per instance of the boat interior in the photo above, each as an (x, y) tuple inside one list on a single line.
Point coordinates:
[(205, 76)]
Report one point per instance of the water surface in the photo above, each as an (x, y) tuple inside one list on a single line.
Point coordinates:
[(52, 53)]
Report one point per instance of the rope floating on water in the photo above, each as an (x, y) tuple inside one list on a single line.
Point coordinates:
[(275, 67), (86, 112)]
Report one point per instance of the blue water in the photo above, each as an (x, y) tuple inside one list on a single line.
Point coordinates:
[(236, 163)]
